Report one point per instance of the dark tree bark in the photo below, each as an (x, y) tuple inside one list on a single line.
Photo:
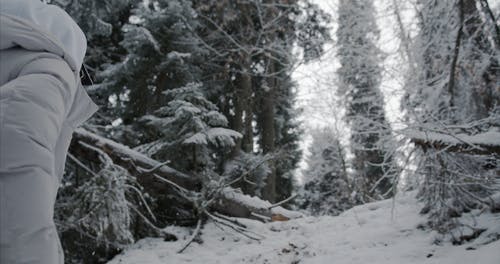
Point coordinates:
[(269, 134), (479, 32), (246, 84), (242, 120)]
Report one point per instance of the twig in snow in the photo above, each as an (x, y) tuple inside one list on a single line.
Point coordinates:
[(241, 230), (262, 217), (193, 236), (230, 219)]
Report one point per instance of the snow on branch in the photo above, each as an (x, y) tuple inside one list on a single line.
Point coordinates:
[(235, 202), (484, 143), (128, 158)]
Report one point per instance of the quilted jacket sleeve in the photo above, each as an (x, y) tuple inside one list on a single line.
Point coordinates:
[(33, 110)]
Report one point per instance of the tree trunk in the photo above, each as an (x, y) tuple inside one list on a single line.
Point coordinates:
[(486, 95), (242, 104), (268, 132), (248, 117)]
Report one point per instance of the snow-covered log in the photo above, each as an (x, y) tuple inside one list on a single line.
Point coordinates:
[(486, 143), (233, 202), (230, 202), (134, 161)]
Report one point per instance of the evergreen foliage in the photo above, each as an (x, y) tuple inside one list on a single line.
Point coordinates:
[(161, 55), (102, 23), (96, 212), (190, 130), (360, 77), (327, 189)]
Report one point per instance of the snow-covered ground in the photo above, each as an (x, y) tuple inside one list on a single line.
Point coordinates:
[(381, 232)]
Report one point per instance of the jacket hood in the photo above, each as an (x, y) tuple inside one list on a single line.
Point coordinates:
[(37, 26)]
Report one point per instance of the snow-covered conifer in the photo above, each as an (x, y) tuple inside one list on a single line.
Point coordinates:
[(327, 189), (190, 131), (360, 76)]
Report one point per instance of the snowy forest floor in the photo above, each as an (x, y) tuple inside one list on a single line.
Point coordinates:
[(380, 232)]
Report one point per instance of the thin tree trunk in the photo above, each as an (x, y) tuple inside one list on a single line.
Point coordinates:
[(240, 122), (237, 120), (243, 114), (248, 119), (479, 32), (268, 133), (458, 40)]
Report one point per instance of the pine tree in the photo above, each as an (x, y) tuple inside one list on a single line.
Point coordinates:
[(360, 76), (190, 131), (288, 138), (162, 100), (161, 55), (102, 23), (327, 189)]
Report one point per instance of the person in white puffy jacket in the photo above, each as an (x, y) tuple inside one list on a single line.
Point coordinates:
[(41, 103)]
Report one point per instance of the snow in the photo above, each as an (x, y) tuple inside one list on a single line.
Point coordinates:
[(178, 55), (489, 138), (217, 135), (198, 138), (381, 232)]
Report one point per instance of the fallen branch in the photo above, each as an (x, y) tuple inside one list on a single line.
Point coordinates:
[(131, 160), (282, 202), (158, 178), (262, 218), (193, 236), (230, 219)]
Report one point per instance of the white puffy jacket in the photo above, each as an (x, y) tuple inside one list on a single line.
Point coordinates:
[(41, 102)]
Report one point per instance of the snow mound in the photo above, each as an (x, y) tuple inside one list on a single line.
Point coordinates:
[(382, 232)]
